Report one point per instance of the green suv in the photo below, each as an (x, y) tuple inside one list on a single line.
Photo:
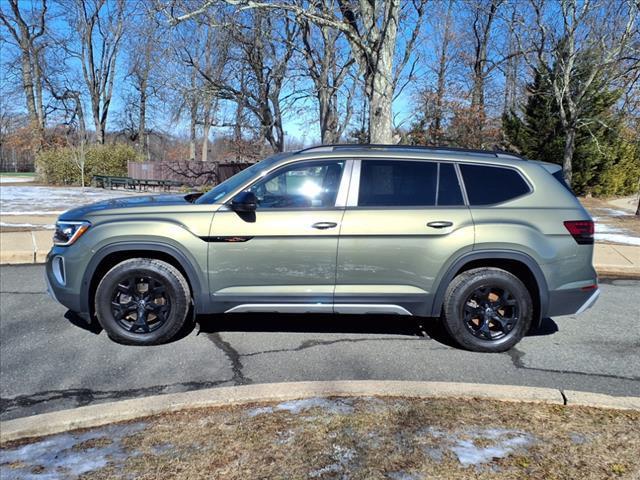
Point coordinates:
[(489, 242)]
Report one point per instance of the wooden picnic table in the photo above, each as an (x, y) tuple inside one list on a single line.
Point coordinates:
[(111, 182)]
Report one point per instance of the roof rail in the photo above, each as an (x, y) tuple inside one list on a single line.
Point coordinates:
[(373, 146)]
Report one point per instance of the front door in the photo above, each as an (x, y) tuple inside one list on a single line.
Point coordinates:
[(404, 220), (283, 257)]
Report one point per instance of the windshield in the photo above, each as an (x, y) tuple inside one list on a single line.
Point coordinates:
[(230, 184)]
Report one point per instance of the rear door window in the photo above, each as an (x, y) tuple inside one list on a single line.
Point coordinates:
[(449, 193), (397, 183), (487, 185)]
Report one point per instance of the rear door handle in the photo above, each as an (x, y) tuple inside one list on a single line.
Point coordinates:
[(439, 224), (324, 225)]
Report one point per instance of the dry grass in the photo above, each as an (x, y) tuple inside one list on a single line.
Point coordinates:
[(382, 439)]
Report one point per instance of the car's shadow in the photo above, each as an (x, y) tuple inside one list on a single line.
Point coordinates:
[(317, 323)]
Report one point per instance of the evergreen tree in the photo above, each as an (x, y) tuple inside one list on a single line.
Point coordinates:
[(601, 148)]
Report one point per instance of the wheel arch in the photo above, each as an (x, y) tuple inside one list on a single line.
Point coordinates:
[(110, 255), (518, 263)]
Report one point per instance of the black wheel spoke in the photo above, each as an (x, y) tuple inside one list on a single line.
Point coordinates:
[(143, 296), (484, 330)]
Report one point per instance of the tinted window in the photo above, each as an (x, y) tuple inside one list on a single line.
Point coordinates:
[(237, 180), (448, 188), (307, 185), (397, 183), (488, 185)]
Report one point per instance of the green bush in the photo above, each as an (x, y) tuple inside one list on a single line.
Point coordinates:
[(59, 166)]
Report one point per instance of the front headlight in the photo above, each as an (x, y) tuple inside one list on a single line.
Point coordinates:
[(68, 232)]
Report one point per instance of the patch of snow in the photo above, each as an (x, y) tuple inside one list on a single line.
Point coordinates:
[(36, 200), (58, 457), (31, 212), (340, 406), (577, 438), (401, 476), (607, 233), (462, 444), (469, 453), (604, 228), (612, 212), (617, 238), (27, 225), (342, 456), (9, 179)]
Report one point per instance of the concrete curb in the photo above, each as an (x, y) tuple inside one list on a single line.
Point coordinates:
[(106, 413)]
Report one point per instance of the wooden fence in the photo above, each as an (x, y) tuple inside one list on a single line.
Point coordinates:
[(185, 172)]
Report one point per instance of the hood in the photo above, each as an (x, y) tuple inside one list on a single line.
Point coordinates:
[(136, 202)]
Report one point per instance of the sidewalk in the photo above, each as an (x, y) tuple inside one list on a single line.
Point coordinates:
[(32, 247)]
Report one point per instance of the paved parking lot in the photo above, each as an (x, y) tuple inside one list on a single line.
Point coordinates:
[(47, 362)]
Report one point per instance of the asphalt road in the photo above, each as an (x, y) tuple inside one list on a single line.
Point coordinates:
[(49, 363)]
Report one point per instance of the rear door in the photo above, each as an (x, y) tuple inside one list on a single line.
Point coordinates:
[(404, 220)]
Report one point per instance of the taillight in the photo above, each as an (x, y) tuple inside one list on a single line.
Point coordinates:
[(581, 231)]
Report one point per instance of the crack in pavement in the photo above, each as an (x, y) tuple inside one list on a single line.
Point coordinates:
[(86, 396), (316, 343), (23, 293), (517, 355), (233, 356)]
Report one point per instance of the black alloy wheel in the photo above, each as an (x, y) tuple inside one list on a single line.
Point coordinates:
[(487, 309), (143, 301), (140, 304), (490, 313)]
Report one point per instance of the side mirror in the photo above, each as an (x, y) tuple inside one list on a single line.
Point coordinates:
[(244, 202)]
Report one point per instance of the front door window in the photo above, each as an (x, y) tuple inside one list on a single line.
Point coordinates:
[(307, 185)]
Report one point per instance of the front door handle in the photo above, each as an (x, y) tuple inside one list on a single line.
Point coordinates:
[(439, 224), (324, 225)]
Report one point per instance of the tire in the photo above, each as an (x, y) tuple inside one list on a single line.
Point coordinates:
[(142, 301), (487, 310)]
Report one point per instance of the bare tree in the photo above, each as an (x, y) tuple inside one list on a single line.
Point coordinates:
[(329, 72), (371, 29), (258, 67), (99, 25), (145, 51), (440, 42), (598, 31), (28, 31)]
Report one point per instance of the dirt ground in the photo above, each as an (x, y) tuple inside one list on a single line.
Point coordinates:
[(354, 438)]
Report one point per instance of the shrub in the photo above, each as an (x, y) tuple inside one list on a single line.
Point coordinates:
[(59, 166)]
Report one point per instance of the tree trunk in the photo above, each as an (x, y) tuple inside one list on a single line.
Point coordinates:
[(205, 140), (192, 130), (380, 112), (142, 123), (567, 157), (638, 209)]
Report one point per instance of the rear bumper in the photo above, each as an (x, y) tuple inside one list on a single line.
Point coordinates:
[(571, 302)]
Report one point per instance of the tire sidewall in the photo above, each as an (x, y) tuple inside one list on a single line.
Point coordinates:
[(454, 315), (105, 290)]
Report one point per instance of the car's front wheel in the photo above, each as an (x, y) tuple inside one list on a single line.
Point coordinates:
[(142, 301), (487, 310)]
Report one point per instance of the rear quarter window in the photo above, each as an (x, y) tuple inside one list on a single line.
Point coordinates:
[(487, 185)]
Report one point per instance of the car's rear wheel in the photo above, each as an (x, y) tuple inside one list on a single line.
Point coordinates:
[(142, 301), (487, 310)]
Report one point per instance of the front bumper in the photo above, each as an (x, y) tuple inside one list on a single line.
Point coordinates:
[(65, 293)]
